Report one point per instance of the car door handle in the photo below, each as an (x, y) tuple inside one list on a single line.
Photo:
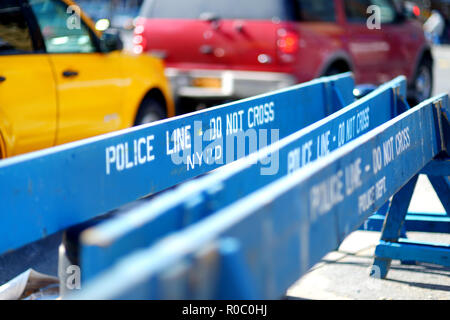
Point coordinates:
[(2, 79), (70, 73)]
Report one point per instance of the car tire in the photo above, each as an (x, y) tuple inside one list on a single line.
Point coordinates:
[(422, 85), (332, 72), (151, 110)]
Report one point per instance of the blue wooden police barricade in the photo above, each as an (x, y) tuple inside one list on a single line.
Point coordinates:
[(106, 243), (256, 246), (51, 190)]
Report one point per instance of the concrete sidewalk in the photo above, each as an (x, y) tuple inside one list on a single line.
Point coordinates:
[(344, 274)]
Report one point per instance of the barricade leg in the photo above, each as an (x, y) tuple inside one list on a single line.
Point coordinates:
[(393, 226), (235, 279), (442, 187), (391, 247), (375, 222)]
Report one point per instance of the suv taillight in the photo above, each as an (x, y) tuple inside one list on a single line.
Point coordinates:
[(139, 42), (288, 44)]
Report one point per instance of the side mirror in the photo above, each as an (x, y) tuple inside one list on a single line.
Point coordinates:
[(110, 41)]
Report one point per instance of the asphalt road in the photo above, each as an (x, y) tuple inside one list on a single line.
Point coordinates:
[(344, 274)]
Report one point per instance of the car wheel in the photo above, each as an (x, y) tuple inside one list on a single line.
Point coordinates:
[(332, 71), (151, 110), (423, 82)]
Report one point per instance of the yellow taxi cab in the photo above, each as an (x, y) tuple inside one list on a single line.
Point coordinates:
[(62, 80)]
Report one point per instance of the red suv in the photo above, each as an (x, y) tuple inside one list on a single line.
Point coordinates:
[(226, 49)]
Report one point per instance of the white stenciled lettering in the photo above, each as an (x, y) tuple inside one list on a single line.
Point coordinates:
[(150, 157), (353, 176), (216, 128), (208, 156), (323, 144), (377, 160), (110, 158), (341, 134), (125, 156), (380, 188), (260, 115), (120, 162), (178, 140), (234, 122), (350, 128), (362, 120), (128, 164), (306, 152), (141, 155), (402, 141), (325, 195), (367, 200), (388, 151), (293, 160)]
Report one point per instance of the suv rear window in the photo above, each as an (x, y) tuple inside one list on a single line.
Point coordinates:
[(223, 9), (356, 10), (316, 11)]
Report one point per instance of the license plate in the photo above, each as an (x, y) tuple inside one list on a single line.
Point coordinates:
[(207, 82)]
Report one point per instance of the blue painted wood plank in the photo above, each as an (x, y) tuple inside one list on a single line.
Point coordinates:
[(439, 167), (51, 190), (419, 223), (415, 252)]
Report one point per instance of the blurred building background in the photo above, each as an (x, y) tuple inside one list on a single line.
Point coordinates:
[(431, 13)]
